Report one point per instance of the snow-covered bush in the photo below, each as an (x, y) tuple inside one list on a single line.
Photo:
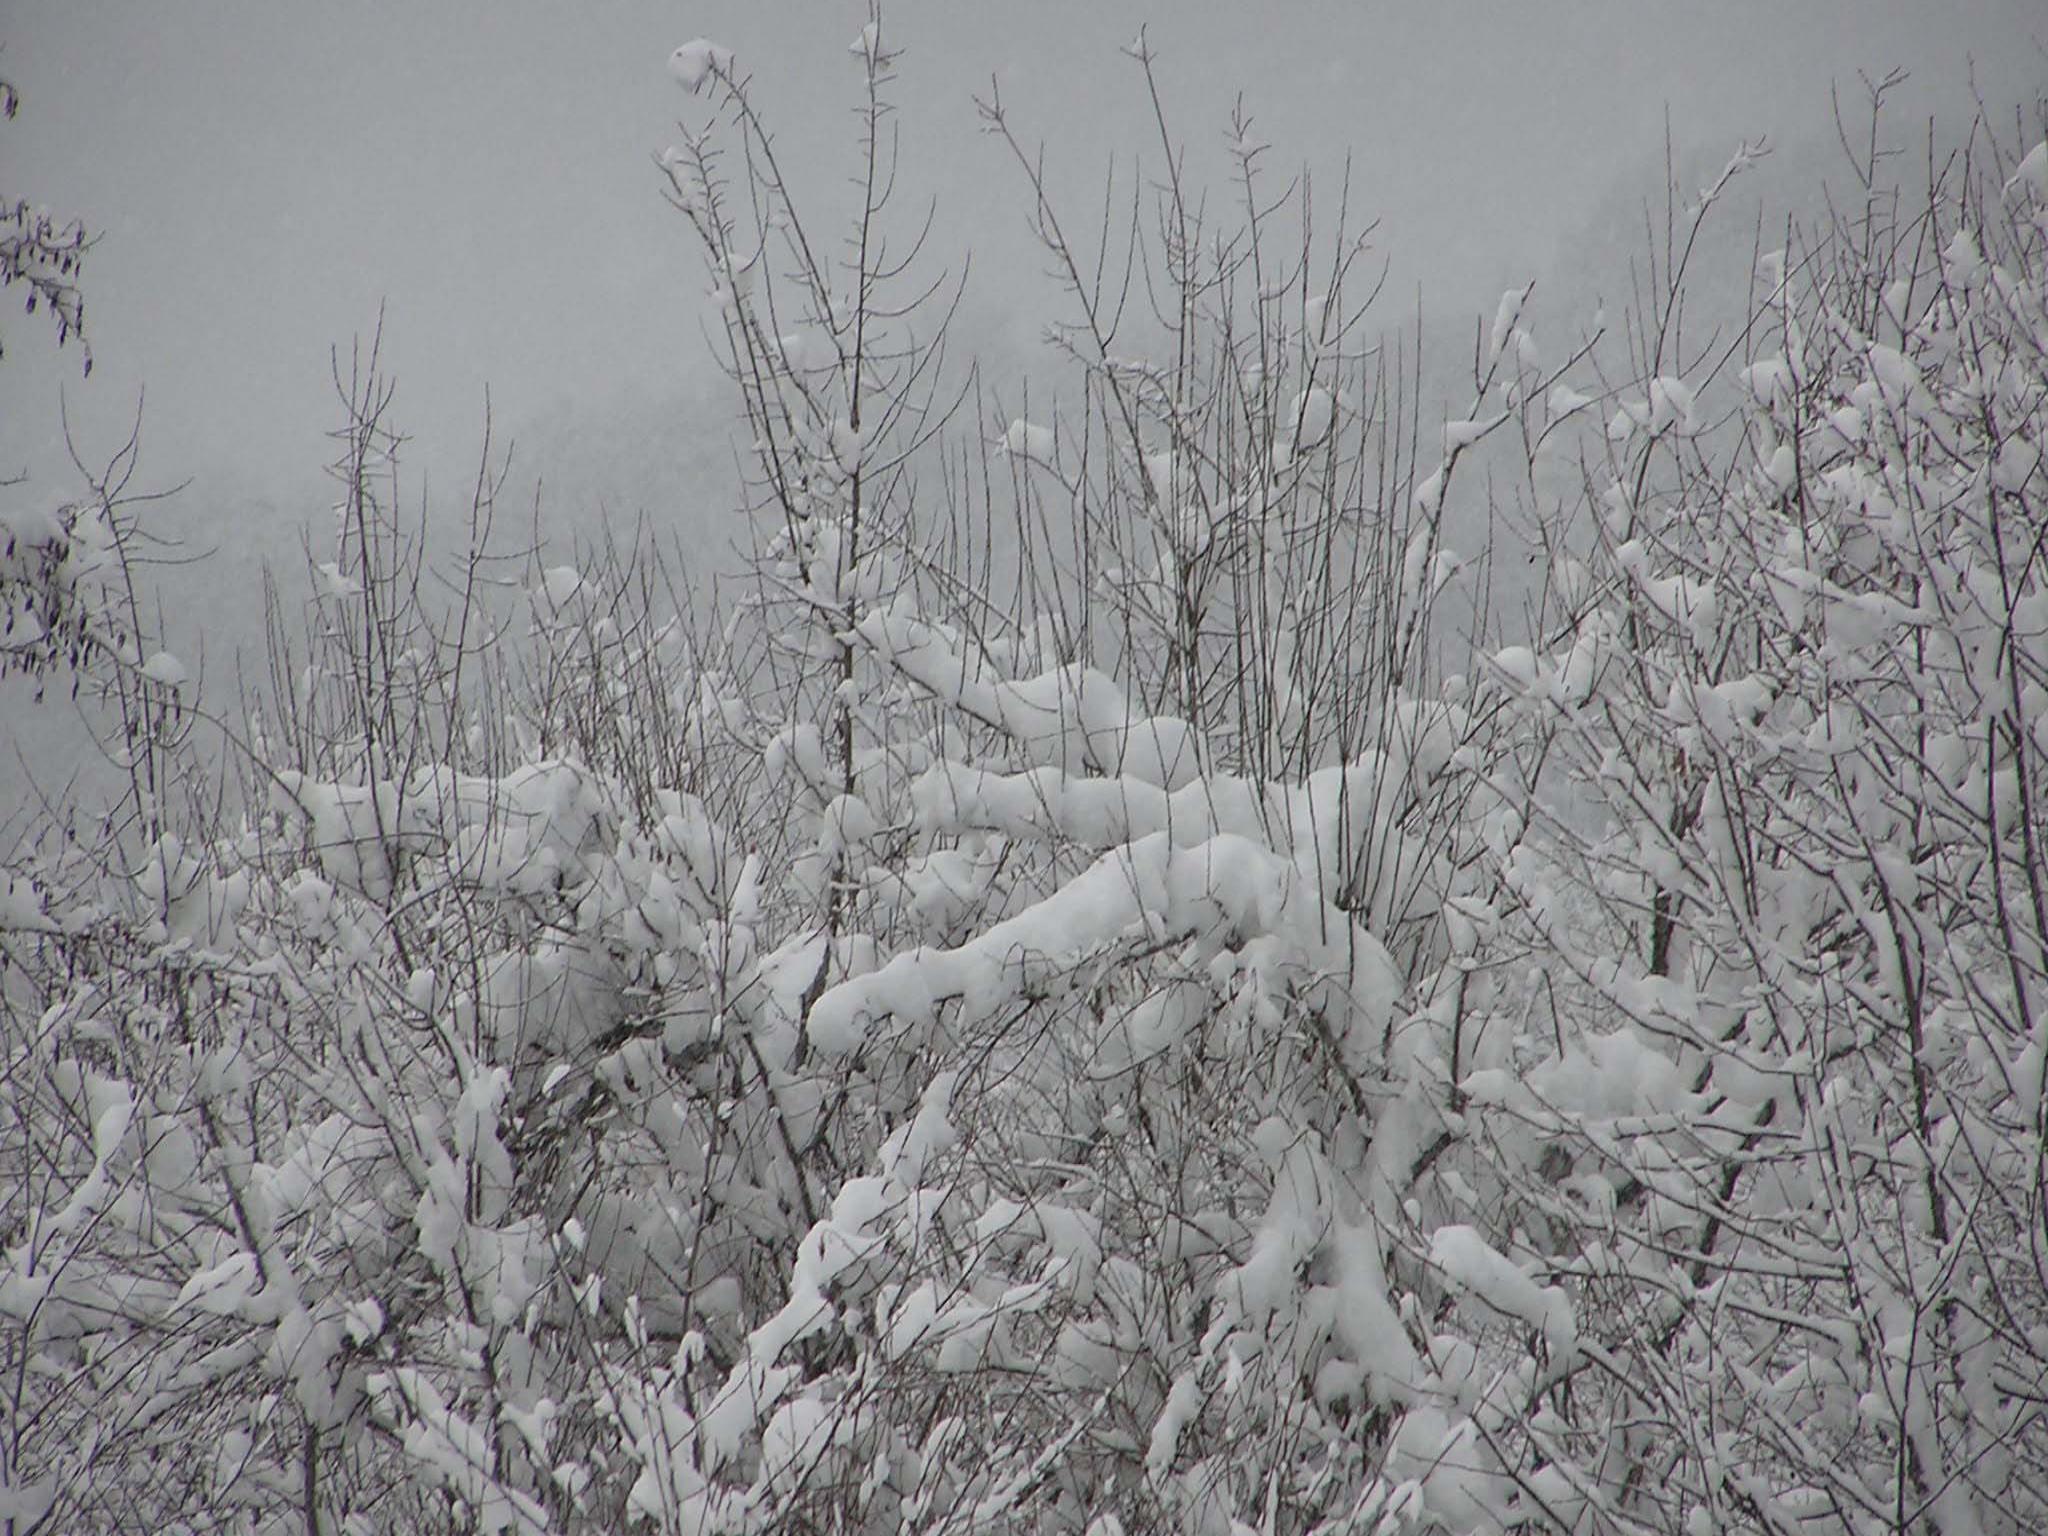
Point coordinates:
[(1109, 848), (45, 252), (1060, 1008), (1771, 1116)]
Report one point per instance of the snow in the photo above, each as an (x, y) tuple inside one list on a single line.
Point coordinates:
[(807, 352), (23, 904), (2030, 176), (1313, 412), (517, 833), (1071, 716), (736, 1159), (1505, 315), (1518, 666), (1429, 495), (560, 588), (1768, 382), (1897, 376), (1143, 892), (1459, 435), (1443, 1461), (30, 530), (698, 61), (796, 1442), (2017, 462), (1672, 407), (223, 1288), (1182, 1403), (1366, 1321), (454, 1450), (1962, 261), (1630, 417), (23, 1505), (20, 629), (364, 1320), (867, 46), (1150, 1027), (1475, 1267)]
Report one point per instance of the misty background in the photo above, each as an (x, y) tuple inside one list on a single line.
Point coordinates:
[(264, 179)]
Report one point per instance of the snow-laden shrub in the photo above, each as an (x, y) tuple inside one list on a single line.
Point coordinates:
[(1772, 1118), (1093, 1031), (1101, 887), (892, 1058), (43, 251)]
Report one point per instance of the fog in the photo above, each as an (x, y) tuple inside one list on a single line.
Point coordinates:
[(265, 181)]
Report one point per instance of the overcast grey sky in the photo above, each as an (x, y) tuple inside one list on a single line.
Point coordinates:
[(263, 174)]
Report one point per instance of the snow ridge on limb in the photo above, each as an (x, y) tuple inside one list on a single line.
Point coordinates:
[(1070, 717), (1226, 889)]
